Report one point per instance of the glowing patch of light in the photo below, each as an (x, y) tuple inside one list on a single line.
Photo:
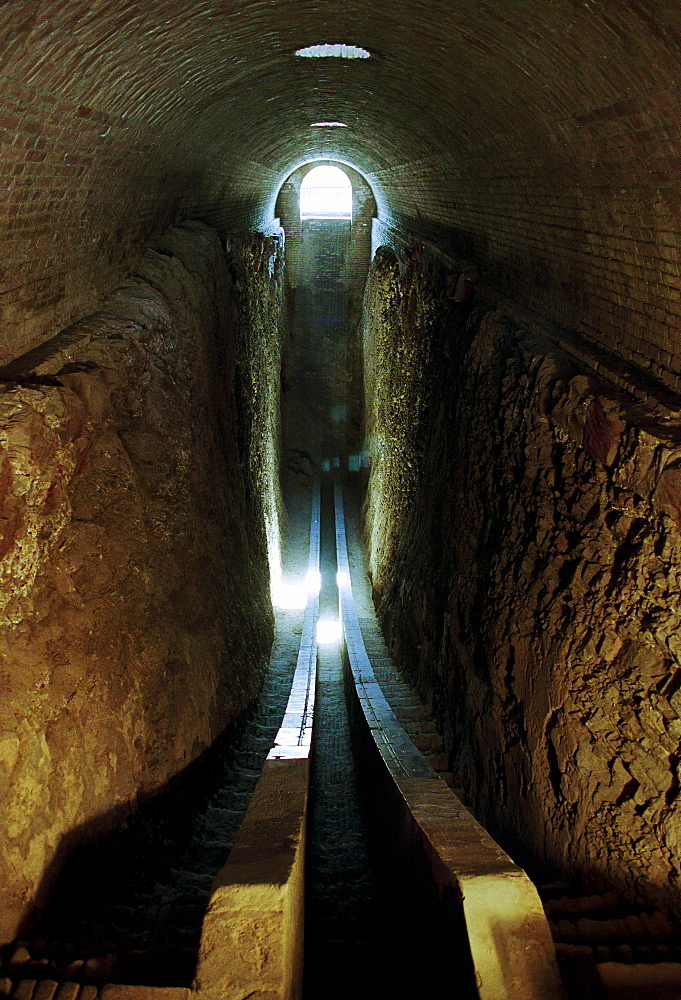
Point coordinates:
[(289, 596), (328, 631), (328, 125), (335, 51), (342, 579), (274, 555), (293, 596)]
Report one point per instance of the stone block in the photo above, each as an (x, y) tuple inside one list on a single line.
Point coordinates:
[(46, 990), (252, 935), (68, 991), (24, 989)]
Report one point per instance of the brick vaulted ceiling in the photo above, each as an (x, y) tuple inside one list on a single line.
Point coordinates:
[(540, 137)]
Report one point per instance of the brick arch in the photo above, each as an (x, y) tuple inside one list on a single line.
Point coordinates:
[(542, 140), (288, 192)]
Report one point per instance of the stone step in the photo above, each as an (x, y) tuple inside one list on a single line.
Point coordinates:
[(410, 709), (600, 926), (606, 932), (430, 744), (554, 890), (418, 725), (68, 991), (438, 761)]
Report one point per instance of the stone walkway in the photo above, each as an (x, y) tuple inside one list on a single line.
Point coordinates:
[(413, 715), (608, 948)]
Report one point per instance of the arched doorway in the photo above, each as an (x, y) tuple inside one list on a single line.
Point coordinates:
[(326, 193), (326, 210)]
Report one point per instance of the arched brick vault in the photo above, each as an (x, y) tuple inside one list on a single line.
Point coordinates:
[(540, 138)]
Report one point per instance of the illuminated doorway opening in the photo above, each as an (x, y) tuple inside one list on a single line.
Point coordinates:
[(328, 251), (326, 193)]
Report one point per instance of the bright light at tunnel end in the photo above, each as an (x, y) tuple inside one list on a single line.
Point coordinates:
[(375, 188), (326, 193)]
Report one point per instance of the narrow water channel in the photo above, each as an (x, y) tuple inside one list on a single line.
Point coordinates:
[(368, 934), (344, 920)]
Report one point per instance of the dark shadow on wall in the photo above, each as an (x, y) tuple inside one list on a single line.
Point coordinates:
[(456, 242), (130, 888)]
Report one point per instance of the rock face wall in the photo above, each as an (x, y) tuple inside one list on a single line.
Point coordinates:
[(523, 523), (256, 265), (134, 588)]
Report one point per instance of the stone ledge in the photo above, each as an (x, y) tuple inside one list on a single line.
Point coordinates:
[(508, 934), (252, 937)]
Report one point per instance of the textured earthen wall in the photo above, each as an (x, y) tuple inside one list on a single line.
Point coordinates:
[(523, 522), (256, 264), (134, 589)]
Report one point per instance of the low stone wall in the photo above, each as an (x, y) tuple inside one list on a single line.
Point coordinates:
[(523, 521), (134, 588)]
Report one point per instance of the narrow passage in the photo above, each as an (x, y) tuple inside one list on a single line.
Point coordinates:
[(368, 934), (344, 920)]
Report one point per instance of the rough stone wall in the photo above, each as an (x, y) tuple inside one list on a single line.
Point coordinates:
[(134, 588), (256, 264), (523, 522)]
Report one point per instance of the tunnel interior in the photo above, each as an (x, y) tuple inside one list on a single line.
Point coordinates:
[(488, 344)]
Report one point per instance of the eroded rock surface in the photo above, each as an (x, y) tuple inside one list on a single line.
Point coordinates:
[(136, 619), (523, 522)]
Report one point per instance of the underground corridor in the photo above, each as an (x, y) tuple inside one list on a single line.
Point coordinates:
[(340, 500)]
